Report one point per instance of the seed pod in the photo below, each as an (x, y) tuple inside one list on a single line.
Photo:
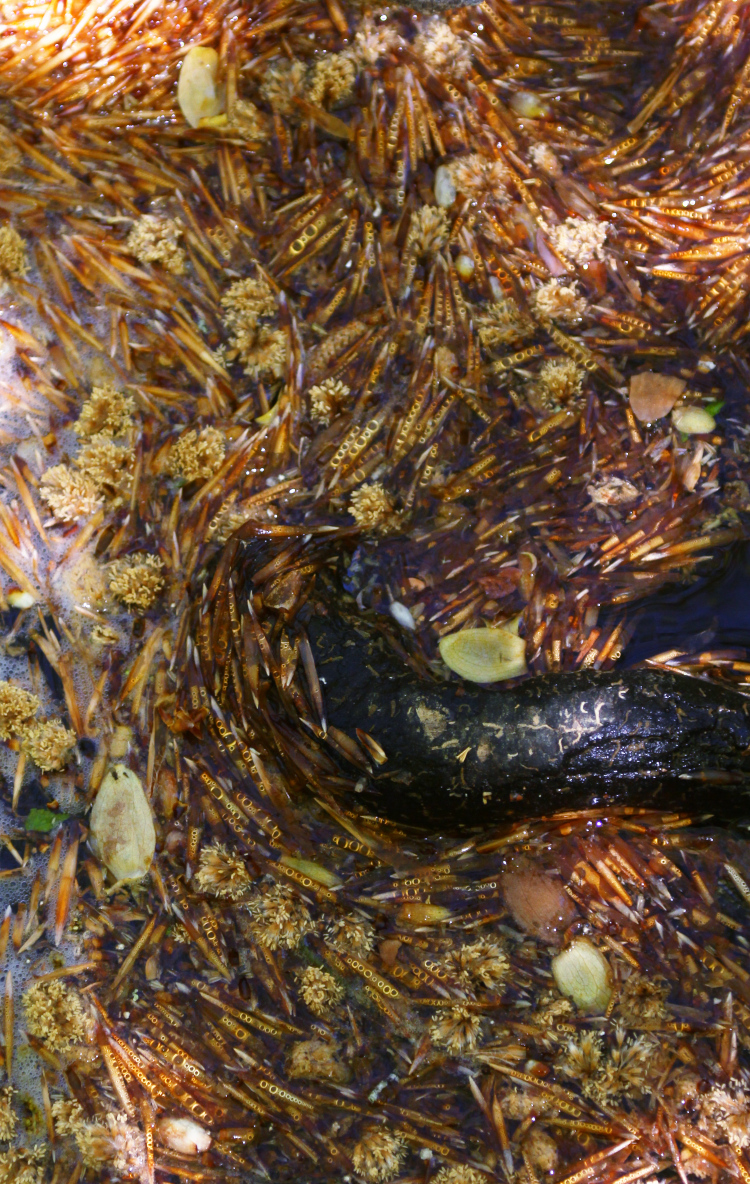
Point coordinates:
[(693, 421), (445, 189), (465, 267), (321, 875), (122, 829), (484, 655), (183, 1135), (417, 913), (18, 599), (402, 616), (690, 471), (528, 105), (198, 94), (582, 973)]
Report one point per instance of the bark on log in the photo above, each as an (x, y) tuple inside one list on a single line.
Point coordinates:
[(459, 753)]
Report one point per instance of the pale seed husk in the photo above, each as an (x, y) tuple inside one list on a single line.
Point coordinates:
[(183, 1135), (484, 655), (582, 973), (198, 92), (122, 831), (693, 421)]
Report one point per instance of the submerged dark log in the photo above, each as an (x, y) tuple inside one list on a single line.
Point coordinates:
[(461, 753)]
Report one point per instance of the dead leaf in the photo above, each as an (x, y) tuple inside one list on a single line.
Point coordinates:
[(653, 396)]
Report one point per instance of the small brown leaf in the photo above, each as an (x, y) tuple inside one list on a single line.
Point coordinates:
[(388, 950), (653, 396)]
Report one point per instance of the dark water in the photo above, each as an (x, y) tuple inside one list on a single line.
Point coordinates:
[(712, 613)]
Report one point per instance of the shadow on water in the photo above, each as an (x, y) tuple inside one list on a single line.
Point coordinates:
[(711, 613)]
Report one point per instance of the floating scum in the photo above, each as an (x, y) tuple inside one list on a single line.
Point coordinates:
[(331, 336)]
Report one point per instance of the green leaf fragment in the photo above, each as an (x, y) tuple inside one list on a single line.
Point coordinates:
[(44, 820)]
